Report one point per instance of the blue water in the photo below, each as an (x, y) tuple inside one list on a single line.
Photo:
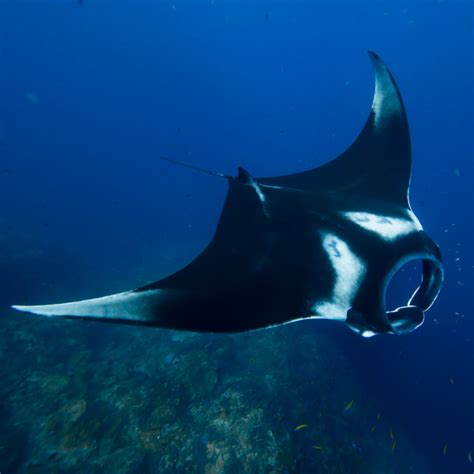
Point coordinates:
[(93, 94)]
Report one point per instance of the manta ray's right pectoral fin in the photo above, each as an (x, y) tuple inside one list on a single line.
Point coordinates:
[(128, 307)]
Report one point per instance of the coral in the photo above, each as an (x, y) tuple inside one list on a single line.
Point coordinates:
[(123, 400)]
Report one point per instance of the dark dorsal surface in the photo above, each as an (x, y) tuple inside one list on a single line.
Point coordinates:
[(323, 243)]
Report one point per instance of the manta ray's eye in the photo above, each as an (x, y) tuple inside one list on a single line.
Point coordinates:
[(403, 284)]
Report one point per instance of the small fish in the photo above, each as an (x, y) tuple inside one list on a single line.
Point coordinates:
[(357, 448), (469, 456), (394, 445), (373, 429), (445, 449), (32, 98), (349, 405), (452, 381), (300, 427), (378, 416), (456, 172), (391, 434), (316, 446)]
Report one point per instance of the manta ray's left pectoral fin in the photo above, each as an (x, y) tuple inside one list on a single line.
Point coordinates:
[(377, 164)]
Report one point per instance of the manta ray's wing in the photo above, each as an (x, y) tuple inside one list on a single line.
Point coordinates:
[(321, 243), (209, 293), (378, 163)]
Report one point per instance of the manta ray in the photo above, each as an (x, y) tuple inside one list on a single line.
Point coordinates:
[(322, 243)]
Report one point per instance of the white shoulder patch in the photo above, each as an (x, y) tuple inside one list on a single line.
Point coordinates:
[(387, 227), (349, 270)]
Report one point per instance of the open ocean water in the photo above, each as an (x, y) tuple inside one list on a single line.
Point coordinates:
[(92, 93)]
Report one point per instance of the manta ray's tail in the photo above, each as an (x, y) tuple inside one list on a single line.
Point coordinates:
[(195, 168)]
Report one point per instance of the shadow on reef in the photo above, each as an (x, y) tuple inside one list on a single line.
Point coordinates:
[(80, 397)]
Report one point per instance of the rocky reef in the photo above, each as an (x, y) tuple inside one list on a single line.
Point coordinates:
[(82, 397)]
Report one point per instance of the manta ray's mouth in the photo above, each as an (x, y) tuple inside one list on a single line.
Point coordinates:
[(406, 318), (402, 297), (403, 284)]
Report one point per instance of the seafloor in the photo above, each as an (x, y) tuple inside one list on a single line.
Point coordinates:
[(82, 397)]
